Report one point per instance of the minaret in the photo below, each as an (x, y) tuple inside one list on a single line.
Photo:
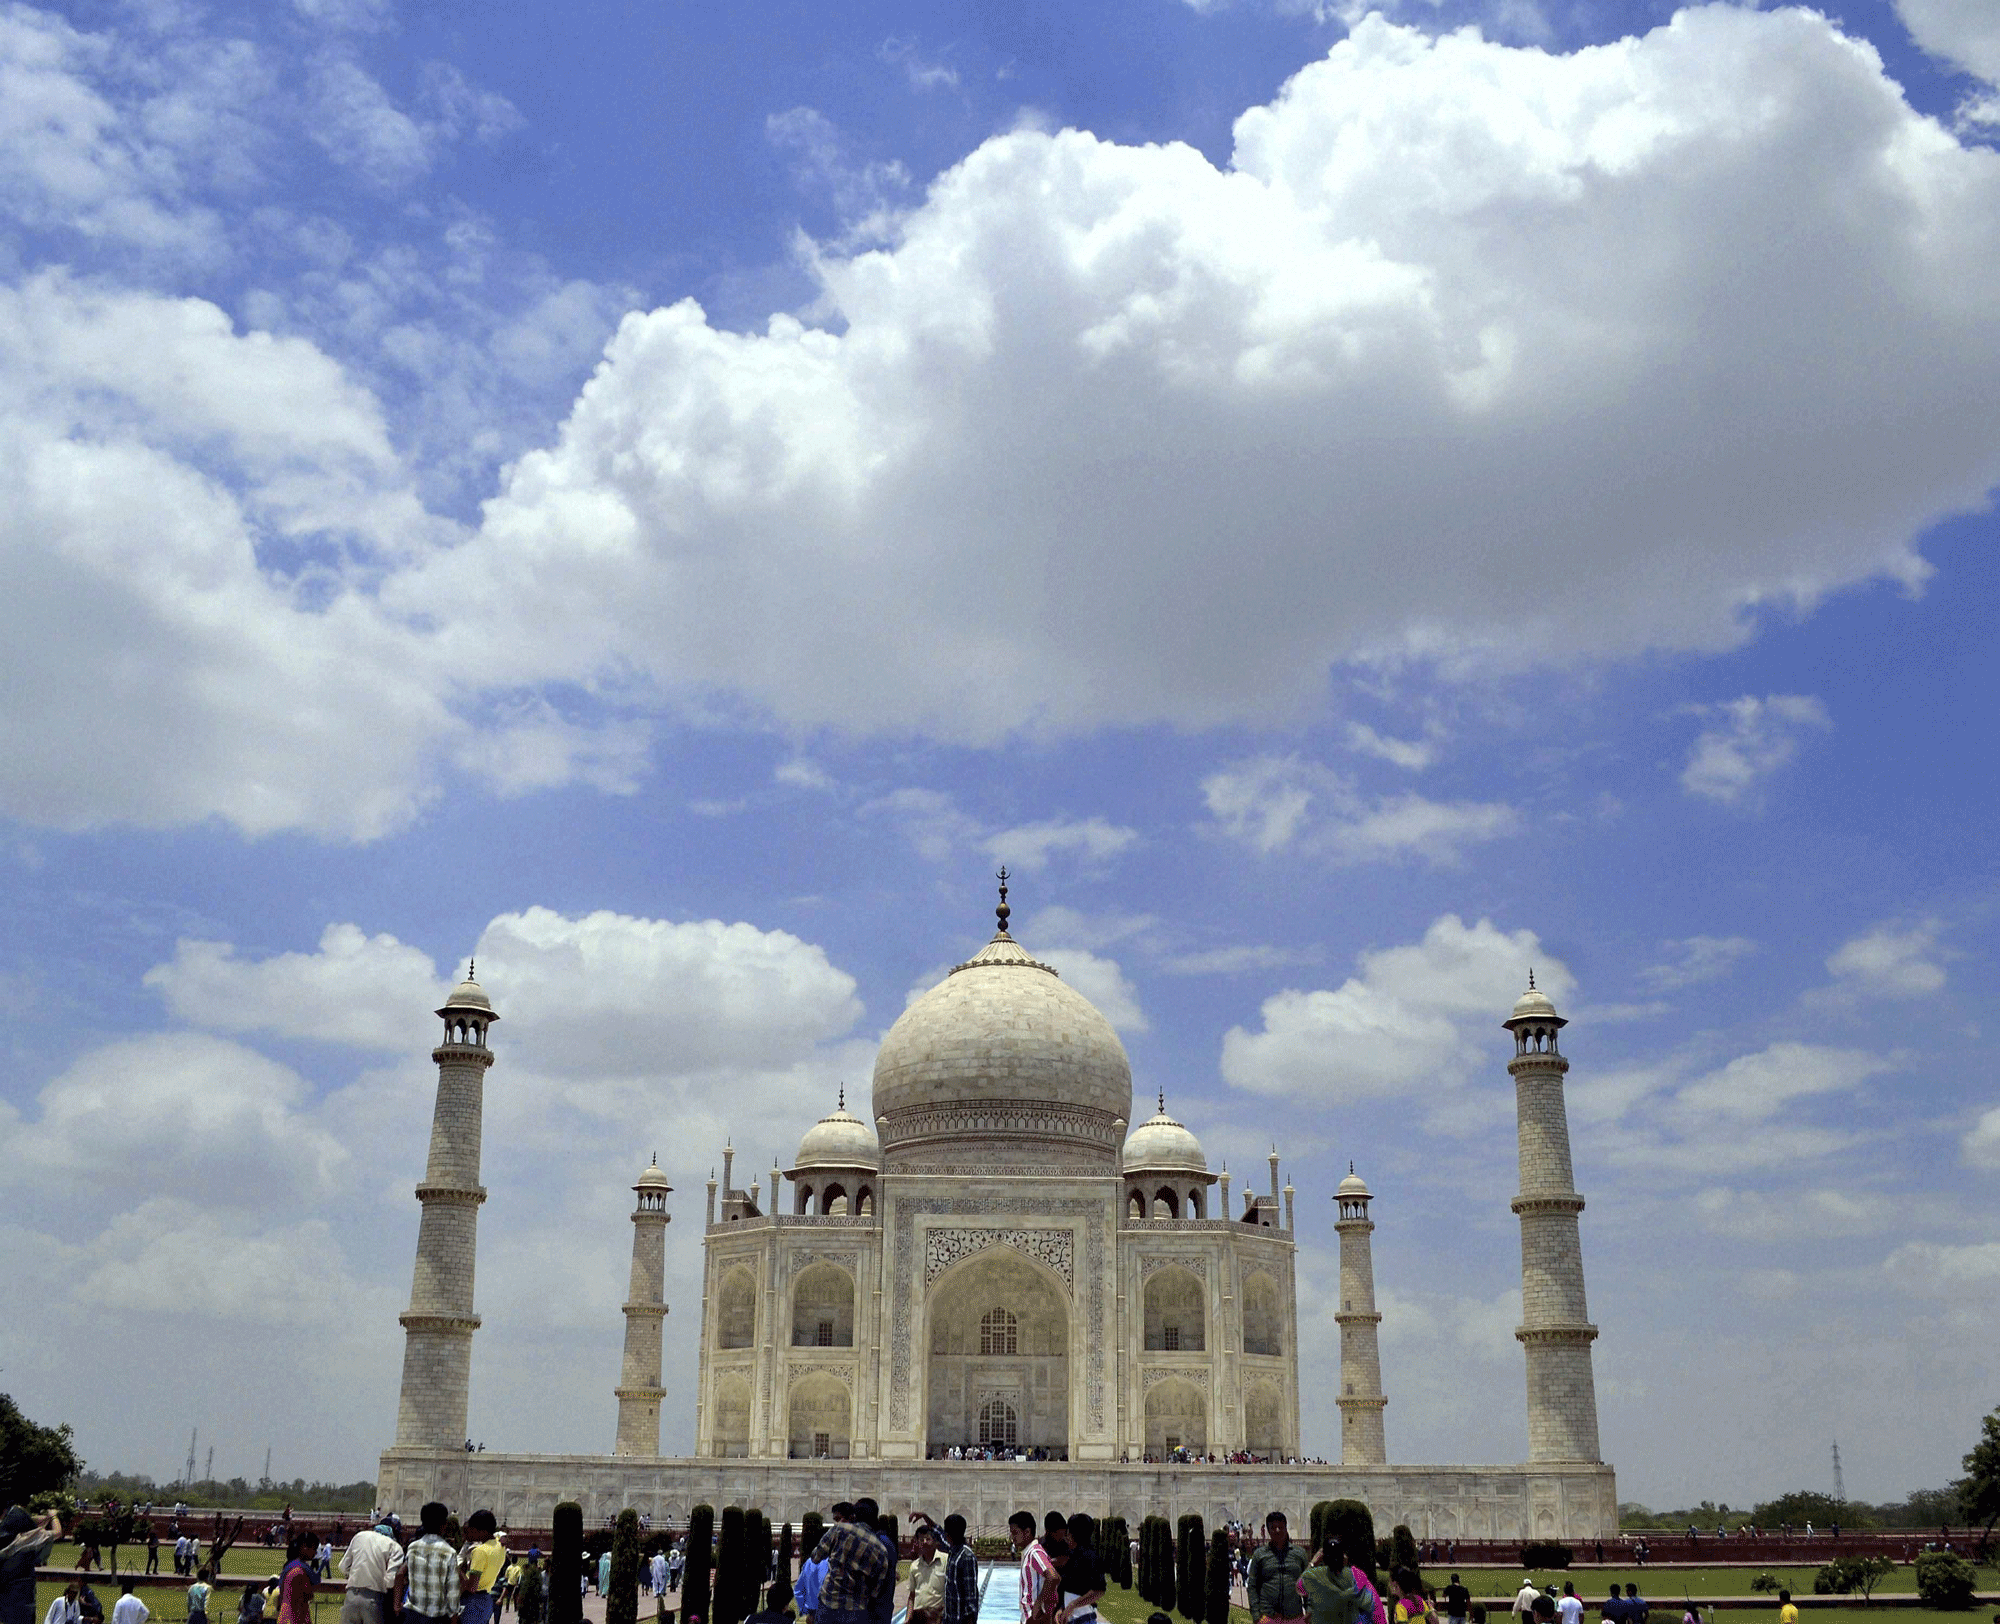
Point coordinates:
[(1361, 1401), (437, 1348), (639, 1390), (1555, 1325)]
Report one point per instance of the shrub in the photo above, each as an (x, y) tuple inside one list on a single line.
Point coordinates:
[(1164, 1577), (1316, 1523), (1402, 1547), (566, 1564), (1764, 1583), (1114, 1545), (621, 1599), (1545, 1553), (781, 1586), (1190, 1575), (1944, 1580), (696, 1590), (1351, 1520), (728, 1605), (1218, 1578), (813, 1529)]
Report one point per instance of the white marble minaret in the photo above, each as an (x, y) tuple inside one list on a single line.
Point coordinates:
[(639, 1390), (438, 1326), (1555, 1323), (1361, 1401)]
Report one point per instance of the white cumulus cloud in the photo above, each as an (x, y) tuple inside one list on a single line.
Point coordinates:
[(1965, 33), (1696, 959), (1751, 739), (1889, 962), (1981, 1143), (1405, 1019), (1275, 803)]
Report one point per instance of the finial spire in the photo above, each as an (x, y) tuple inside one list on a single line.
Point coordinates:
[(471, 969), (843, 1097), (1531, 978), (1163, 1102), (1003, 910), (1350, 1167)]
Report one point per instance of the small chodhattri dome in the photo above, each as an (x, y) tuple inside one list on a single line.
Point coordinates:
[(468, 994), (839, 1139), (1162, 1145), (1533, 1005), (652, 1179), (1353, 1184)]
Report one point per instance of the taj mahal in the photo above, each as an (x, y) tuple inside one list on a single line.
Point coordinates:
[(994, 1289)]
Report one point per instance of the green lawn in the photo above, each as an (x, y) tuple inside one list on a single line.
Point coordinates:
[(1658, 1585)]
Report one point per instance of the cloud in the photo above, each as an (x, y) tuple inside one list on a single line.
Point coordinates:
[(1454, 316), (370, 991), (1981, 1144), (1402, 1021), (1030, 845), (1062, 926), (1889, 963), (1729, 763), (1966, 34), (1272, 803), (175, 1113), (1753, 1088), (922, 73), (866, 193), (1102, 982), (359, 126), (1697, 959), (1411, 753), (165, 666), (1929, 1269), (1239, 959), (930, 819), (1769, 1217)]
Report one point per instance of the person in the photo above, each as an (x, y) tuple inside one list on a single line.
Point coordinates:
[(1614, 1610), (1693, 1613), (1039, 1584), (371, 1565), (805, 1588), (961, 1573), (128, 1608), (1328, 1590), (1406, 1593), (1083, 1576), (857, 1566), (1787, 1613), (152, 1547), (1569, 1606), (1524, 1598), (250, 1605), (27, 1544), (295, 1581), (656, 1574), (1635, 1605), (926, 1599), (64, 1610), (1275, 1571), (482, 1562), (88, 1607), (603, 1575), (1456, 1600), (430, 1570), (198, 1594), (882, 1608)]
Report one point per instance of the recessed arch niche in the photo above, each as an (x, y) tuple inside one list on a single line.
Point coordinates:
[(736, 1310), (997, 1327), (1176, 1417), (823, 1307), (1176, 1312)]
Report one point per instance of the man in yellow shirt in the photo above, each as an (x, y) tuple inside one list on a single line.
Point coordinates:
[(482, 1565), (1787, 1613)]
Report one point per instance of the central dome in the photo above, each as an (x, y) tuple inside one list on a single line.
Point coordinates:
[(1002, 1067)]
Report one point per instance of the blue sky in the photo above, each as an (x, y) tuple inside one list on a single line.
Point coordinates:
[(1347, 505)]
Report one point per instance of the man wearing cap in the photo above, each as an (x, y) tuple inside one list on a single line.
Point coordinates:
[(371, 1565), (24, 1543)]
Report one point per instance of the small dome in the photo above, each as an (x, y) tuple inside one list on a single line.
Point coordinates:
[(840, 1139), (1162, 1145), (468, 994), (652, 1179), (1353, 1184), (1534, 1005)]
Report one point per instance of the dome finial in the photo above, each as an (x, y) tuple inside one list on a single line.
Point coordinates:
[(843, 1098), (1531, 978), (1003, 910), (1163, 1102), (471, 969), (1350, 1167)]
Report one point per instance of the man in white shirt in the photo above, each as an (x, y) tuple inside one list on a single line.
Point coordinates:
[(1524, 1603), (128, 1608), (372, 1564), (1569, 1610)]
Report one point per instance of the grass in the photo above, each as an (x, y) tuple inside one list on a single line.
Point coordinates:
[(1675, 1584)]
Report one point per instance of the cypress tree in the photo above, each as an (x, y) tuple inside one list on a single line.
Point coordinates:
[(756, 1557), (566, 1565), (1402, 1548), (696, 1591), (1149, 1560), (811, 1531), (1193, 1561), (1163, 1565), (727, 1606), (781, 1586), (1350, 1519), (621, 1600), (1320, 1511), (1115, 1546), (1218, 1578)]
